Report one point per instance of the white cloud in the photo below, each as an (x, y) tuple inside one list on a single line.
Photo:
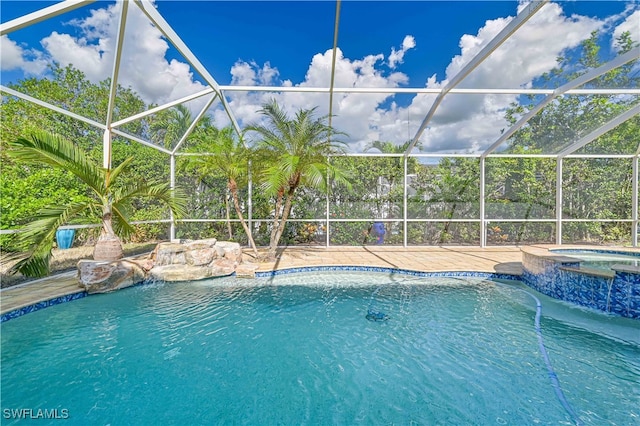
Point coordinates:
[(352, 112), (144, 66), (11, 54), (473, 122), (14, 57), (85, 56), (397, 56), (462, 122), (630, 24)]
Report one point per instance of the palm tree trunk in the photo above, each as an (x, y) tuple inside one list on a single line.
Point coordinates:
[(228, 208), (273, 242), (233, 187), (108, 247), (273, 247)]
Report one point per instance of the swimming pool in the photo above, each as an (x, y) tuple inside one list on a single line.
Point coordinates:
[(298, 349)]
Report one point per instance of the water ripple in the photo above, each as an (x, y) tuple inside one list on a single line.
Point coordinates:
[(453, 351)]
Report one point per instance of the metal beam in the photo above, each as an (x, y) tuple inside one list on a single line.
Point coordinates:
[(559, 196), (483, 190), (333, 60), (193, 125), (42, 15), (164, 27), (172, 184), (628, 114), (500, 38), (405, 194), (140, 141), (113, 90), (584, 78), (427, 90), (159, 108), (634, 202), (52, 107)]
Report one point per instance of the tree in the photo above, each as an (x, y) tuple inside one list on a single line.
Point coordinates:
[(170, 125), (297, 154), (107, 200), (449, 190), (227, 157), (389, 147), (27, 189), (592, 188)]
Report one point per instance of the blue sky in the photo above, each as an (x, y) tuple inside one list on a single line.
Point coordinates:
[(289, 40), (382, 44)]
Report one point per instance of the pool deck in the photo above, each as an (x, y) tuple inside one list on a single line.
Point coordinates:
[(504, 260)]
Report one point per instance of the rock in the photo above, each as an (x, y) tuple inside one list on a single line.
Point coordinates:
[(246, 270), (197, 244), (219, 250), (203, 256), (103, 277), (231, 250), (145, 264), (186, 260), (173, 273), (169, 254), (222, 267)]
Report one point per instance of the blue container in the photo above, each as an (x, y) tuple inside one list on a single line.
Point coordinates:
[(379, 231), (64, 237)]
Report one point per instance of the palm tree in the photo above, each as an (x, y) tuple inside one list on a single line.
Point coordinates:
[(390, 147), (107, 200), (296, 151), (228, 157), (171, 125)]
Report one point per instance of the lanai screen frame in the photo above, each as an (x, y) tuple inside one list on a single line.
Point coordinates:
[(216, 91)]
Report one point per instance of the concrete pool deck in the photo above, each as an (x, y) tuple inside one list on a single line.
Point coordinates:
[(505, 260)]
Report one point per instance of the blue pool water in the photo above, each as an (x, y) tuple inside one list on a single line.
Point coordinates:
[(298, 349), (600, 260)]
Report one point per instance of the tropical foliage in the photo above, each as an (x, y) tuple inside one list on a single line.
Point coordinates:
[(105, 199), (296, 153), (296, 166), (223, 153)]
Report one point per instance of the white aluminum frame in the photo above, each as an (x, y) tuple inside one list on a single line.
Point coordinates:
[(110, 127)]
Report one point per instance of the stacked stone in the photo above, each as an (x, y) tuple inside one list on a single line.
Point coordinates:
[(171, 261)]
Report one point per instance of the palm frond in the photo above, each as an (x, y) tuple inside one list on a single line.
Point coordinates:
[(316, 176), (124, 197), (391, 148), (273, 180), (39, 236), (174, 199), (288, 164), (340, 176), (297, 148), (112, 175), (53, 150), (120, 220), (277, 118)]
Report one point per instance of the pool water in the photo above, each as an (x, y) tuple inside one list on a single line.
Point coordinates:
[(298, 349), (597, 260)]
